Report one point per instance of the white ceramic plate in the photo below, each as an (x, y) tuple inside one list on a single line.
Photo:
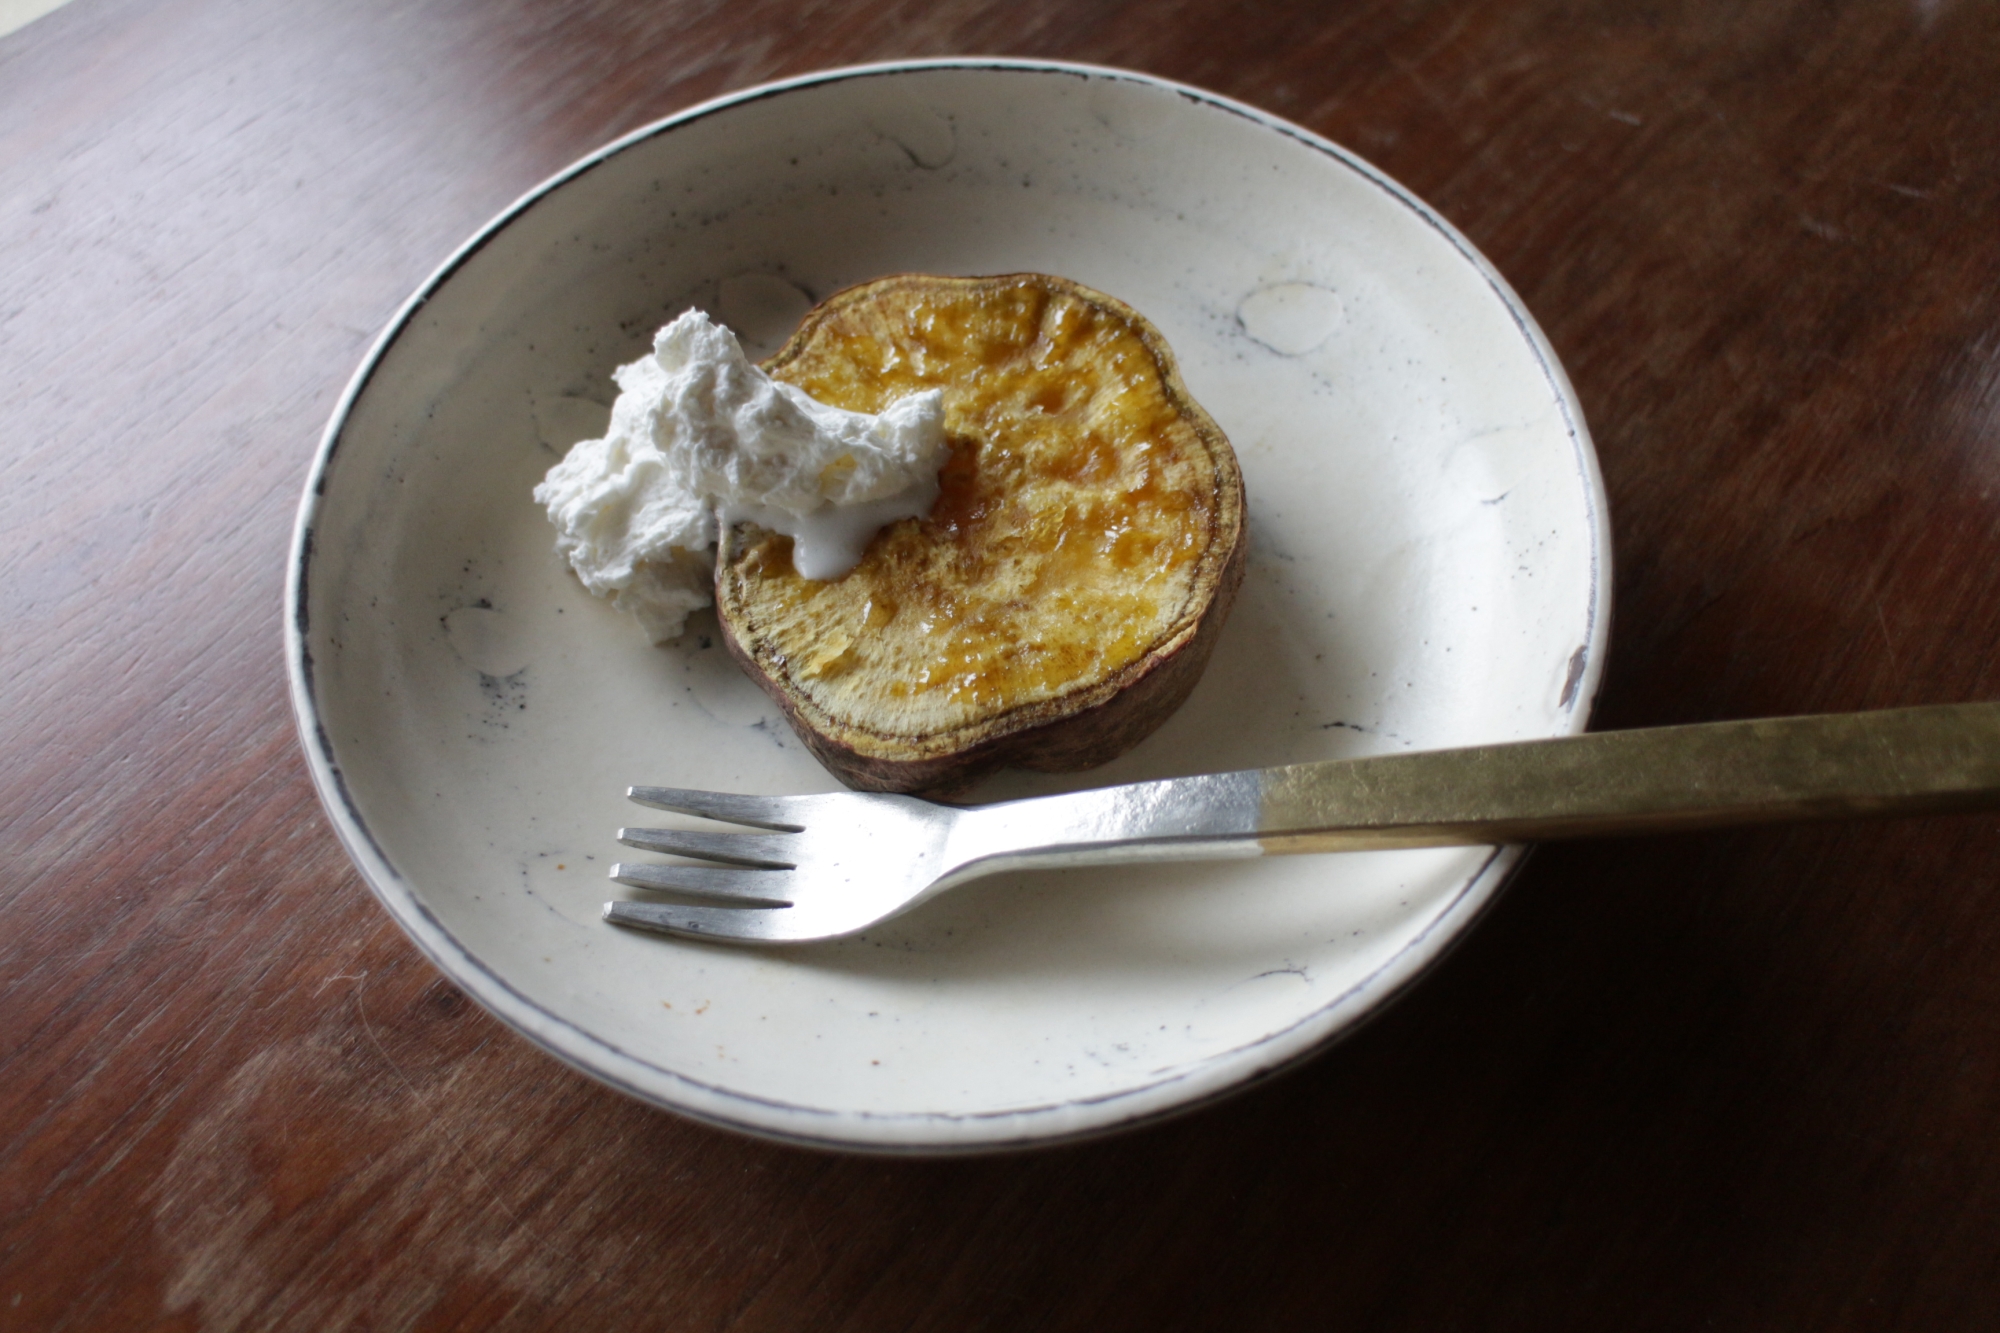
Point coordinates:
[(1428, 568)]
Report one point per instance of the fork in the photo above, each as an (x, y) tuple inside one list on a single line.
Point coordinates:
[(830, 865)]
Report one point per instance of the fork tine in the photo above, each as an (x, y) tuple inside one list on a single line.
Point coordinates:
[(742, 849), (741, 888), (716, 923), (765, 812)]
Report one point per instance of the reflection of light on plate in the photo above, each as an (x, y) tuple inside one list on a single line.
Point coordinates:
[(762, 310), (1290, 318), (479, 635), (717, 685), (919, 131), (563, 421), (1133, 112)]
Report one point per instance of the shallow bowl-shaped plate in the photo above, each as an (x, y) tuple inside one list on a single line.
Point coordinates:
[(1428, 568)]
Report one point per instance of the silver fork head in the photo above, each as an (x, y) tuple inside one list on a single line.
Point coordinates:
[(823, 866)]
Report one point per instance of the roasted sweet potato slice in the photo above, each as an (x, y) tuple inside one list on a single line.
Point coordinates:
[(1062, 597)]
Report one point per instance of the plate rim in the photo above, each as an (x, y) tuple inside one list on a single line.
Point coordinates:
[(787, 1122)]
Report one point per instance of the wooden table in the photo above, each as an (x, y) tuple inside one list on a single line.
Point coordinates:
[(1740, 1081)]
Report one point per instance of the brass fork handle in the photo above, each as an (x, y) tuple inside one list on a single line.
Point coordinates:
[(1836, 766)]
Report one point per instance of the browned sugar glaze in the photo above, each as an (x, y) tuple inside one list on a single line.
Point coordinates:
[(1078, 501)]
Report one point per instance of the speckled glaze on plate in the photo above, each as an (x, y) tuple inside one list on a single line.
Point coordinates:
[(1428, 568)]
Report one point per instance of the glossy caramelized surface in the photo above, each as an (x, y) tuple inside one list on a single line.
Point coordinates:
[(1077, 503)]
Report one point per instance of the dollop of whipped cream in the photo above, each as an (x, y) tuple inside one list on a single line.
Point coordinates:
[(700, 437)]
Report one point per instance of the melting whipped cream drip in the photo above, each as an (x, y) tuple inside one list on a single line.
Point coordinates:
[(700, 437)]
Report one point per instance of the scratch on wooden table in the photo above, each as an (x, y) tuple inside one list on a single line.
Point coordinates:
[(418, 1095), (1883, 620), (341, 976)]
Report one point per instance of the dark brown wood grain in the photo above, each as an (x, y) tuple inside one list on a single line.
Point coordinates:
[(1738, 1081)]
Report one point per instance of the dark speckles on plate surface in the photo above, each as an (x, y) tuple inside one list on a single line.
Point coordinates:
[(503, 698)]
